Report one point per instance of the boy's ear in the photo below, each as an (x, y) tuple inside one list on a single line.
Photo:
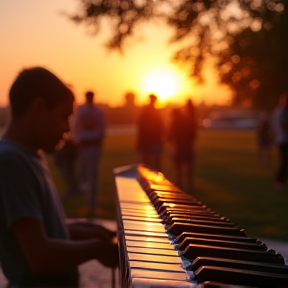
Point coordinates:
[(37, 106)]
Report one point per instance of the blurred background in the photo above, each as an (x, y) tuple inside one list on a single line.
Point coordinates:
[(229, 57)]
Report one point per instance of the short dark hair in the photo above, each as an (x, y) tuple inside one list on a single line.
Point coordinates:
[(36, 82), (89, 93), (152, 97)]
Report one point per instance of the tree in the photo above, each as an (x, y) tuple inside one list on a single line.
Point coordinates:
[(222, 29), (256, 63)]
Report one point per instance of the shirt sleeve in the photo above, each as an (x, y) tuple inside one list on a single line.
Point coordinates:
[(19, 189)]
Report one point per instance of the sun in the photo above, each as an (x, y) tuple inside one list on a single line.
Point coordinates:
[(163, 83)]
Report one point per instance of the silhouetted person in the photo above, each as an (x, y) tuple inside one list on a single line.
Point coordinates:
[(265, 140), (37, 247), (190, 114), (88, 131), (150, 134), (281, 140), (182, 137), (65, 159)]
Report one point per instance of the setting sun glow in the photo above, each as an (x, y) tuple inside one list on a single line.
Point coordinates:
[(163, 83), (43, 37)]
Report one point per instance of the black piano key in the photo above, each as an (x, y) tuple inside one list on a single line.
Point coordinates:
[(192, 209), (241, 277), (168, 195), (242, 238), (220, 243), (167, 188), (162, 202), (181, 207), (195, 216), (193, 251), (189, 213), (238, 264), (212, 284), (201, 221), (177, 228), (161, 215)]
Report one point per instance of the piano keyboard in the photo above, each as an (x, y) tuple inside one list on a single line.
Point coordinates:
[(168, 238)]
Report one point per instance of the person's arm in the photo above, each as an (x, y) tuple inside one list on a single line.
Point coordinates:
[(86, 230), (46, 255)]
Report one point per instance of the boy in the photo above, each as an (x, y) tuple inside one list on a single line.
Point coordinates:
[(37, 248)]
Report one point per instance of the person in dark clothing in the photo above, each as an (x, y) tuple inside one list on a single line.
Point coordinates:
[(182, 137), (150, 134), (38, 248), (265, 141), (281, 140), (282, 172), (65, 158)]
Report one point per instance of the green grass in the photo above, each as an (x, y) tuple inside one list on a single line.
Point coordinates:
[(227, 179)]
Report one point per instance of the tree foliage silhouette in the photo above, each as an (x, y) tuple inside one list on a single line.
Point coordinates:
[(245, 37)]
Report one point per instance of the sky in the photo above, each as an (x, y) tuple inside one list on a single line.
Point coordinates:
[(36, 33)]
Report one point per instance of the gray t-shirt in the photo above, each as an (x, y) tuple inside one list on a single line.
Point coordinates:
[(27, 190)]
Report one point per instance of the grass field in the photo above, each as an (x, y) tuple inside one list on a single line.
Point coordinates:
[(227, 179)]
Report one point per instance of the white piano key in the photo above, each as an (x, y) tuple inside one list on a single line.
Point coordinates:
[(137, 206), (148, 244), (145, 233), (153, 258), (133, 213), (171, 276), (143, 226), (145, 219), (165, 267), (151, 251), (147, 239)]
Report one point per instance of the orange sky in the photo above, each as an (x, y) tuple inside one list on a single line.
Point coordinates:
[(32, 32)]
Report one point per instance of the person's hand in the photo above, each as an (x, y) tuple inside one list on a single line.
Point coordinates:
[(109, 255), (86, 230), (103, 233)]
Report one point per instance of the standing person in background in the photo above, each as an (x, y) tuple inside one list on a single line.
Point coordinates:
[(37, 247), (150, 134), (65, 158), (181, 148), (265, 138), (182, 135), (281, 140), (88, 132), (191, 119)]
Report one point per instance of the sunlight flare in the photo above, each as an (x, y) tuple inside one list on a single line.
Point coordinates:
[(163, 83)]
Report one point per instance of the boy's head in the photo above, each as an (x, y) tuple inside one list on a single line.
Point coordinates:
[(153, 99), (33, 83), (89, 97), (41, 105)]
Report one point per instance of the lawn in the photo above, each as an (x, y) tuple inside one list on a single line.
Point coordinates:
[(227, 179)]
